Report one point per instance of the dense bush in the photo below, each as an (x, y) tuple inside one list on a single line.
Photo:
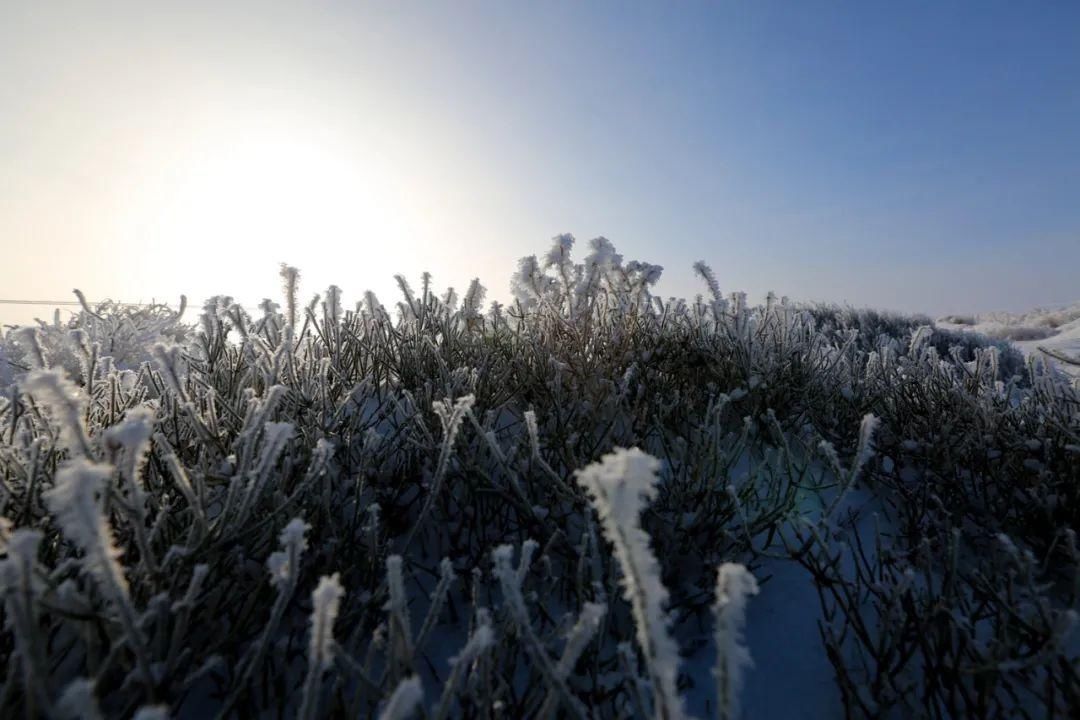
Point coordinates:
[(317, 511)]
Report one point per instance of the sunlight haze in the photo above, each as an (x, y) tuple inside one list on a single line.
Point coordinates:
[(901, 156)]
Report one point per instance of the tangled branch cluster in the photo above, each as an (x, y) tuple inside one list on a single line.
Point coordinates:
[(316, 512)]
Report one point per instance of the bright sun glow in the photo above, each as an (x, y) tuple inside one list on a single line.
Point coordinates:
[(268, 197)]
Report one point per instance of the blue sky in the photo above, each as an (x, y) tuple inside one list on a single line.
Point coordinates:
[(916, 156)]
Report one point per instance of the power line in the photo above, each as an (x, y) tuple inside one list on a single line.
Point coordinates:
[(67, 302), (96, 303)]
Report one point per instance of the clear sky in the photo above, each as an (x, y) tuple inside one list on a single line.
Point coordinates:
[(918, 155)]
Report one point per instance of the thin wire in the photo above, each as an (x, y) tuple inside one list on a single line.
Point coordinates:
[(69, 302), (95, 303)]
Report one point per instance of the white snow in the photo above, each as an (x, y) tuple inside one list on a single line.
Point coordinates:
[(1055, 329)]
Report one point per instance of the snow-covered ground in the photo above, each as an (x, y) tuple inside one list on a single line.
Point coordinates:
[(1055, 329)]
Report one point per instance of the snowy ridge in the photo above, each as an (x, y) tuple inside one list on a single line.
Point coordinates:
[(1056, 330)]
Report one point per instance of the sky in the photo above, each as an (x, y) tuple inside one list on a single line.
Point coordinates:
[(916, 156)]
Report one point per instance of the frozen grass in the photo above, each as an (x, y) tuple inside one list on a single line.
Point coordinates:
[(425, 511)]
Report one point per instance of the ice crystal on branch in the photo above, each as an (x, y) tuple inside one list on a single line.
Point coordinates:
[(620, 485)]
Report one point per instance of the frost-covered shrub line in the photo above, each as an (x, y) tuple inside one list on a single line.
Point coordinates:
[(316, 511)]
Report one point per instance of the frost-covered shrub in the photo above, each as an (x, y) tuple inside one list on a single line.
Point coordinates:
[(1019, 333), (619, 485), (959, 319), (332, 511), (948, 627), (118, 335), (1011, 361), (734, 584)]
